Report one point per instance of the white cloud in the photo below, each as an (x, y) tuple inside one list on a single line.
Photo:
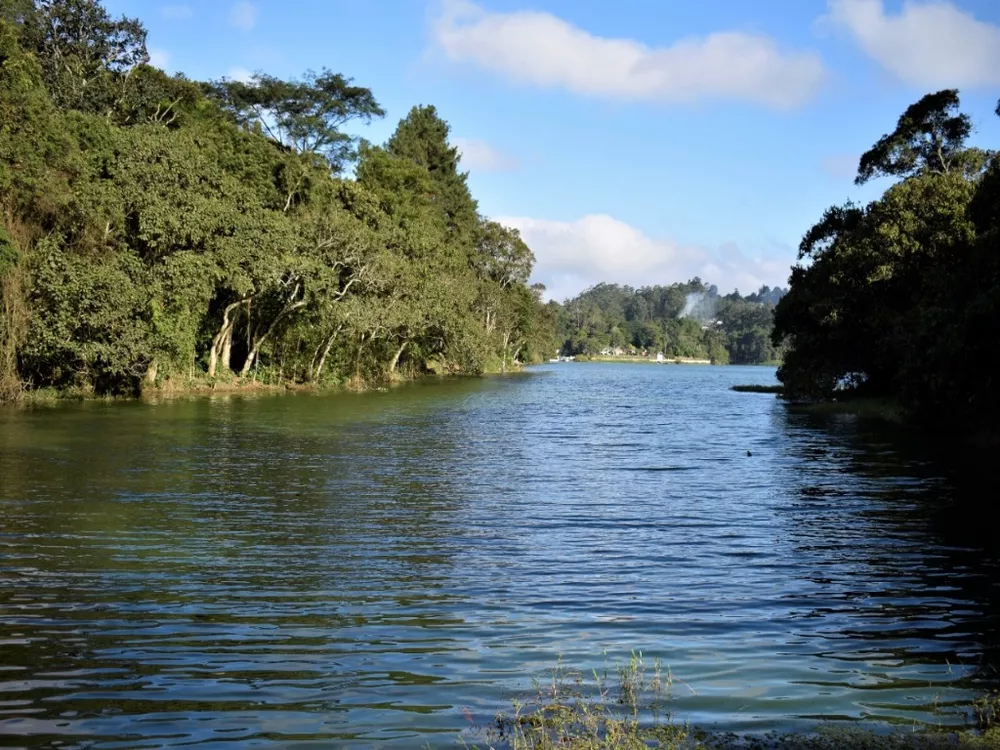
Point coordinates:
[(243, 16), (239, 74), (479, 155), (571, 256), (159, 58), (177, 12), (541, 49), (927, 44)]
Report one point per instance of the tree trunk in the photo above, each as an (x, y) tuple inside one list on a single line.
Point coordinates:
[(326, 347), (506, 341), (322, 360), (255, 349), (395, 360), (223, 341), (227, 348), (357, 360), (149, 379)]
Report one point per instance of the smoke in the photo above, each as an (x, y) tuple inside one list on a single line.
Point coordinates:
[(699, 306)]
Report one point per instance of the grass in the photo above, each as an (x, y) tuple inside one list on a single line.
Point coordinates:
[(572, 712)]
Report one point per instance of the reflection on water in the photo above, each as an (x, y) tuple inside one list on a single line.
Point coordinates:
[(380, 569)]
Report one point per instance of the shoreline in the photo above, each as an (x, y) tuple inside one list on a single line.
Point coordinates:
[(642, 360), (576, 711), (204, 388)]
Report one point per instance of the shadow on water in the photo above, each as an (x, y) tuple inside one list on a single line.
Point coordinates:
[(387, 568), (921, 600)]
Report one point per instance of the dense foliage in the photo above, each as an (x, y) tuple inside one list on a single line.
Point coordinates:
[(901, 298), (680, 320), (155, 229)]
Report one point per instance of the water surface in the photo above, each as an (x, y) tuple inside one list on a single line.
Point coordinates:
[(389, 569)]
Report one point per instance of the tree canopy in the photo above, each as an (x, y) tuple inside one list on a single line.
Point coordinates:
[(680, 320), (898, 298), (307, 116), (929, 137), (158, 230)]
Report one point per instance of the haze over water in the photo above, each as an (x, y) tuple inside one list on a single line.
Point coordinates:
[(379, 569)]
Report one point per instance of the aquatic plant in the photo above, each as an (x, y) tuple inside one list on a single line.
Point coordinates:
[(570, 712)]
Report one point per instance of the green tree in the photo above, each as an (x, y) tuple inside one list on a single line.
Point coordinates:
[(86, 56), (307, 115), (422, 138), (929, 136), (899, 296), (155, 228)]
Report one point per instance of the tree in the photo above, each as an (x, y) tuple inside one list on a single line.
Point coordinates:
[(16, 11), (86, 56), (307, 116), (929, 136), (735, 328), (899, 298), (502, 256), (422, 138), (155, 228)]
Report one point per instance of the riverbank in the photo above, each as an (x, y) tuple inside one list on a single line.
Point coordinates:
[(643, 360), (632, 711), (203, 386), (168, 390)]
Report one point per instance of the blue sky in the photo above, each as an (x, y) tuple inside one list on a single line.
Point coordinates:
[(635, 141)]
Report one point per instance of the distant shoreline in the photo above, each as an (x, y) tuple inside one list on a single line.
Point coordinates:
[(666, 361)]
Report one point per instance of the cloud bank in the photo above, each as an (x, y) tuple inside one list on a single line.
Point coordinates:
[(571, 256), (927, 44), (543, 50)]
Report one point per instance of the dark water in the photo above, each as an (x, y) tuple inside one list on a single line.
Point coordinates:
[(384, 569)]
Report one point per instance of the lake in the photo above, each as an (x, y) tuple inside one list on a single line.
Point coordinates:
[(390, 569)]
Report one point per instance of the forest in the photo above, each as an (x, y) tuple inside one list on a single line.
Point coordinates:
[(156, 230), (686, 320), (899, 299)]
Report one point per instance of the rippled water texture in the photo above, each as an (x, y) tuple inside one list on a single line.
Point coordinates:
[(383, 569)]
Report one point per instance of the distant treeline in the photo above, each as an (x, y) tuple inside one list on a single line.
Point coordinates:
[(900, 298), (681, 320), (156, 229)]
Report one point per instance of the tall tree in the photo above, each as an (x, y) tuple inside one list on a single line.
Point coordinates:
[(929, 136), (422, 138), (86, 55), (899, 297), (307, 115)]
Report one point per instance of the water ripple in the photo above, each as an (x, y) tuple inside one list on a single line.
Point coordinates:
[(375, 570)]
